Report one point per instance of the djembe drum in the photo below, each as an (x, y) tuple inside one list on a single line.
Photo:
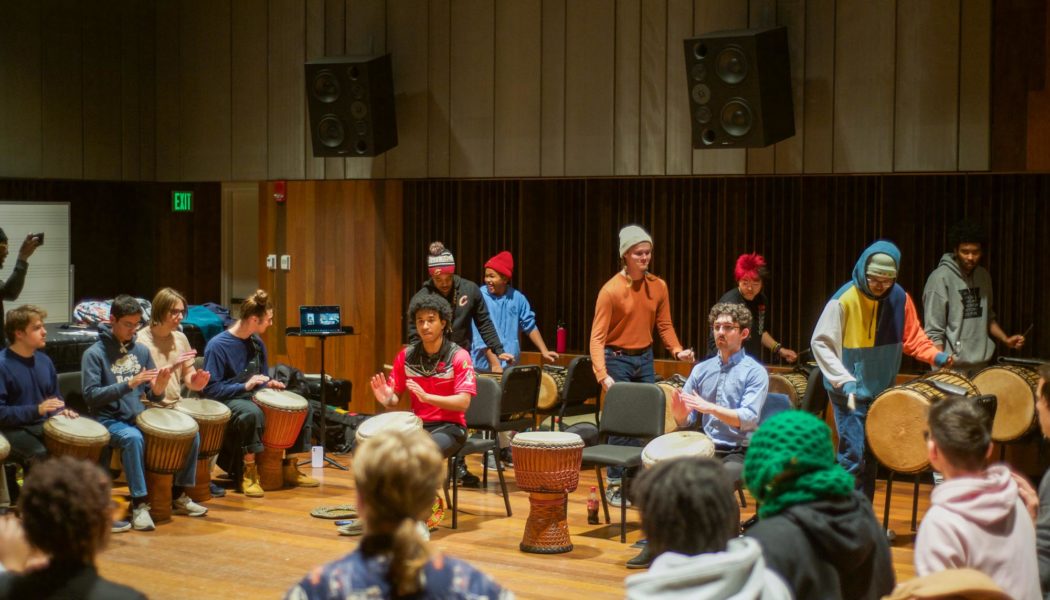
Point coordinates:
[(897, 418), (400, 420), (676, 445), (168, 435), (1015, 390), (211, 418), (80, 437), (793, 385), (669, 385), (547, 465), (285, 414), (551, 383)]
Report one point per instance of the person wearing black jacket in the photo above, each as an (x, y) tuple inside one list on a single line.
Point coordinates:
[(10, 289), (66, 516), (464, 296), (816, 532)]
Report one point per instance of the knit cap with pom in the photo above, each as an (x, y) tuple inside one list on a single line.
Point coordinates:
[(791, 461)]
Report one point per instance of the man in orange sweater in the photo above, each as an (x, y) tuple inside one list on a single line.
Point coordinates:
[(629, 306)]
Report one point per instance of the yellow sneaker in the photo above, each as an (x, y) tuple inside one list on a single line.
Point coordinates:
[(250, 485), (294, 477)]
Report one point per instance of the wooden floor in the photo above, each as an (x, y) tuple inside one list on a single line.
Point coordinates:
[(258, 548)]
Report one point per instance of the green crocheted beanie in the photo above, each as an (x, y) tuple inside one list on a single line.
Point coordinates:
[(791, 461)]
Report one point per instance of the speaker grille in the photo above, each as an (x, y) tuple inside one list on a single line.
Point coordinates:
[(731, 65), (326, 86), (736, 117), (330, 131)]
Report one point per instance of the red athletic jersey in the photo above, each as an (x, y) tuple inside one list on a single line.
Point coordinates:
[(447, 380)]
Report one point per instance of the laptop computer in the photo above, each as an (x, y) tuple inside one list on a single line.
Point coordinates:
[(320, 319)]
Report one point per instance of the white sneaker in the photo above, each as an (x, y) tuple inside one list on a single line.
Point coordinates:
[(183, 505), (140, 519)]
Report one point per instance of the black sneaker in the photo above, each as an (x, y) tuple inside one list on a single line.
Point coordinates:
[(465, 477), (642, 561)]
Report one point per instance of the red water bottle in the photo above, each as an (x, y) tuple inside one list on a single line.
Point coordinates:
[(592, 507), (562, 339)]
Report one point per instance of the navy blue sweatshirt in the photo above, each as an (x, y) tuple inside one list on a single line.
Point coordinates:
[(226, 357), (105, 370), (24, 384)]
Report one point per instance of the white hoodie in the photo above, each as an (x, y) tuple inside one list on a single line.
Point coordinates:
[(739, 573), (980, 523)]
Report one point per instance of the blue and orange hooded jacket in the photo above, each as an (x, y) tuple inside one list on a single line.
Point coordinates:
[(859, 338)]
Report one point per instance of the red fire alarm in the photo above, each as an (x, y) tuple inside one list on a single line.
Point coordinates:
[(278, 191)]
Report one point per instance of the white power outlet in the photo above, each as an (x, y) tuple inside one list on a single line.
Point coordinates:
[(286, 262), (271, 262)]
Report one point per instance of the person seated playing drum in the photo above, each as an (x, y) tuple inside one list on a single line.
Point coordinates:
[(118, 376), (395, 474), (169, 347), (727, 391), (236, 360), (692, 522), (436, 371), (28, 386)]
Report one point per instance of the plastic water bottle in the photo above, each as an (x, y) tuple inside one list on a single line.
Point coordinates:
[(592, 507)]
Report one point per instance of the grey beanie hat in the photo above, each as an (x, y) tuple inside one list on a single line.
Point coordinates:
[(631, 235)]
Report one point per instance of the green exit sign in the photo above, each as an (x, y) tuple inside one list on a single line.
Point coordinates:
[(181, 201)]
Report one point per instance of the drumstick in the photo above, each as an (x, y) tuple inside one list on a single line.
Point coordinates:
[(1027, 331)]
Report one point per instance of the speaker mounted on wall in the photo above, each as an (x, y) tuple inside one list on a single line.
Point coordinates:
[(739, 84), (351, 101)]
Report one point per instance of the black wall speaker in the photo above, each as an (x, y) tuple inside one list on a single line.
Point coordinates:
[(351, 105), (739, 86)]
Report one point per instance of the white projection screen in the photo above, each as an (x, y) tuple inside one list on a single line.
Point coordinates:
[(49, 279)]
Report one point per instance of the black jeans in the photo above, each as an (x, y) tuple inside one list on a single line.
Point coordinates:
[(450, 437), (27, 444)]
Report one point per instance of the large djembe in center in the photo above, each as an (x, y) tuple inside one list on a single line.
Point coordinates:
[(547, 465)]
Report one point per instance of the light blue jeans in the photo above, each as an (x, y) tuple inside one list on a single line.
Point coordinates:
[(132, 445)]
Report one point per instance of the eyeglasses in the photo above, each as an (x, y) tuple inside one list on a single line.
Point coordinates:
[(724, 327), (880, 281), (177, 313), (750, 284)]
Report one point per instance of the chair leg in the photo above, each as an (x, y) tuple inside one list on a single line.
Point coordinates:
[(455, 501), (448, 479), (503, 484), (915, 503), (886, 510), (601, 492), (623, 506), (740, 494), (485, 470)]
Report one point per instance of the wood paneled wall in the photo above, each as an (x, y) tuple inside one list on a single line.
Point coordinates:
[(125, 239), (811, 229), (345, 242), (212, 90)]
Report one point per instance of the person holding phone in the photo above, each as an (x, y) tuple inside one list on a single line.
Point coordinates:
[(10, 289)]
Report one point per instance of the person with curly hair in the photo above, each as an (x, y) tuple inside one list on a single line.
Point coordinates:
[(66, 517), (395, 474), (957, 303), (692, 522), (751, 274), (437, 374), (816, 532)]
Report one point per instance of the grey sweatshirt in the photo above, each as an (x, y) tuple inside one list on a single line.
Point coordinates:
[(958, 310)]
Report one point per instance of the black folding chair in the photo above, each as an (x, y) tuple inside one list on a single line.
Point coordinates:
[(482, 415), (634, 410), (579, 387)]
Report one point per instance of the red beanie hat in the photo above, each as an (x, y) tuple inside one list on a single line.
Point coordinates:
[(749, 266), (502, 263)]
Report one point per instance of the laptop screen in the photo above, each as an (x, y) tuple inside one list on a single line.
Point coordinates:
[(319, 319)]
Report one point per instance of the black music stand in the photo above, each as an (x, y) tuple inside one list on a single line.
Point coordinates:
[(297, 332)]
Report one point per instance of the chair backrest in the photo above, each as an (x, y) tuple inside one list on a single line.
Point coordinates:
[(633, 410), (520, 389), (815, 400), (580, 383), (70, 387), (483, 412), (774, 405)]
